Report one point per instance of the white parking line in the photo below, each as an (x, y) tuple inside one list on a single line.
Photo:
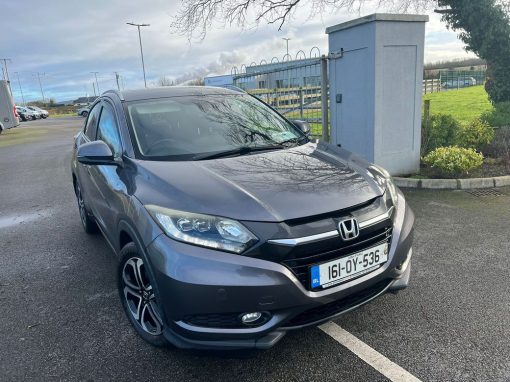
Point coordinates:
[(375, 359)]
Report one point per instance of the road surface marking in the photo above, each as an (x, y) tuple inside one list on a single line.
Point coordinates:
[(375, 359)]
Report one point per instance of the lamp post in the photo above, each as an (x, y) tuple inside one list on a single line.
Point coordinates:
[(141, 49), (97, 84), (40, 84), (20, 89), (6, 73)]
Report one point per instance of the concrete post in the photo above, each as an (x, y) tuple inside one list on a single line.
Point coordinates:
[(376, 74)]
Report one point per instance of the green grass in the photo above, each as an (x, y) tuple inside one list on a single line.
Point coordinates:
[(463, 104)]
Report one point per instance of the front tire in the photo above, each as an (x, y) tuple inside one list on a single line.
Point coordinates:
[(84, 114), (89, 225), (138, 297)]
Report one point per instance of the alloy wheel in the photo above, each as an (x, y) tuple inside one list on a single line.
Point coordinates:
[(140, 298)]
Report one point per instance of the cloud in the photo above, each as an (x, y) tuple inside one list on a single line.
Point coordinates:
[(224, 64)]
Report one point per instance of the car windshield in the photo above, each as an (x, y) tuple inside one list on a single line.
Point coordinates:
[(184, 128)]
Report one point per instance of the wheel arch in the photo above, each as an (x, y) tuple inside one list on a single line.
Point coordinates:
[(128, 234)]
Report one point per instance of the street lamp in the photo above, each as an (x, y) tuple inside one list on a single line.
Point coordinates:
[(97, 83), (20, 89), (141, 49)]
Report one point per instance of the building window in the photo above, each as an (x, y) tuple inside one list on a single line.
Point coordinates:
[(312, 81), (262, 84), (294, 83)]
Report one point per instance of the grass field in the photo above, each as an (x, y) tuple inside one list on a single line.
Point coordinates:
[(463, 104)]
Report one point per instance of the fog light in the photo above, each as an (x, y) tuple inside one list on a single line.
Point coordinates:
[(250, 318)]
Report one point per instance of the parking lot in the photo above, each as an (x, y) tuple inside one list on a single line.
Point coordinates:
[(62, 319)]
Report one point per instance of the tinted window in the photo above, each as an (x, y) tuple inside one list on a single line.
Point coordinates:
[(107, 130), (181, 127), (90, 127)]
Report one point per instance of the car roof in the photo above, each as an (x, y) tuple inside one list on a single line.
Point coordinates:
[(172, 91)]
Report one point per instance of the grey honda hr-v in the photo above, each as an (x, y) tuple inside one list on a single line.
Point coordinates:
[(231, 225)]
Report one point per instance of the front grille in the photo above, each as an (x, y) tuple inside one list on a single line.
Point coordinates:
[(300, 264), (328, 310)]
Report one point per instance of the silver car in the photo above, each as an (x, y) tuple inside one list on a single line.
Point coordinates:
[(41, 112), (83, 111)]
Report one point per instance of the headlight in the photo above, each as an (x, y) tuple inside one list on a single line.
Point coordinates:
[(383, 177), (203, 230)]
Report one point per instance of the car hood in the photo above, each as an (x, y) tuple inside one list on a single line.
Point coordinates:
[(267, 186)]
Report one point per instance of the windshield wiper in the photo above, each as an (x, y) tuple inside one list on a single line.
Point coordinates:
[(243, 150), (294, 140)]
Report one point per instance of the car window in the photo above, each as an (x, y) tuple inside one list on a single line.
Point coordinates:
[(90, 127), (179, 128), (107, 130)]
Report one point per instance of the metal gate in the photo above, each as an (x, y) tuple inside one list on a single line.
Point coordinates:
[(298, 89)]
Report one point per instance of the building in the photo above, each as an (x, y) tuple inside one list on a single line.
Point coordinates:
[(275, 75), (224, 80)]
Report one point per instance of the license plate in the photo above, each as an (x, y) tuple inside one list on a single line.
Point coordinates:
[(345, 268)]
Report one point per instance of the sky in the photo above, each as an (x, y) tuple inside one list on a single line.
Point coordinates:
[(65, 40)]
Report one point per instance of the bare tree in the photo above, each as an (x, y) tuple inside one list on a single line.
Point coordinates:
[(195, 17), (164, 81)]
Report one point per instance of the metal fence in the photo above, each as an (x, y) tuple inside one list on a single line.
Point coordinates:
[(297, 89), (454, 79)]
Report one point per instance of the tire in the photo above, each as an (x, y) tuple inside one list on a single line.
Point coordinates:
[(89, 225), (138, 297), (84, 114)]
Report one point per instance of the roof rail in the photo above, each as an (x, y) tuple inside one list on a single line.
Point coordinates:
[(116, 92)]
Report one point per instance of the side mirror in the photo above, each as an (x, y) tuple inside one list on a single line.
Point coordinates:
[(303, 126), (96, 153)]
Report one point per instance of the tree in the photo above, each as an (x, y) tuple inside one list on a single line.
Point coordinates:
[(483, 25)]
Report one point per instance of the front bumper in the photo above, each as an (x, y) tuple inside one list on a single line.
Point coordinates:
[(194, 281)]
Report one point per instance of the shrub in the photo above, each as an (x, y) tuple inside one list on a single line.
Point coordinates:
[(474, 135), (499, 116), (453, 160), (500, 145), (440, 131)]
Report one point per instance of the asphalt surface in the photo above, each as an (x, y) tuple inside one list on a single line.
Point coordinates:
[(61, 317)]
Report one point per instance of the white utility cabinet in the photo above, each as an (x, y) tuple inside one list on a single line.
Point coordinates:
[(375, 79)]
